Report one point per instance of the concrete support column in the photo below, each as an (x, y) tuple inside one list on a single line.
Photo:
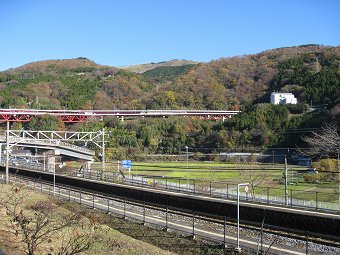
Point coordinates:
[(50, 163)]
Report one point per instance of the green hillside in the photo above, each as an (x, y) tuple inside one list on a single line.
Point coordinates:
[(231, 82), (167, 73), (312, 72)]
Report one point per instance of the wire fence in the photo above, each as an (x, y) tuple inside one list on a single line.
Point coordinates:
[(269, 195), (308, 198)]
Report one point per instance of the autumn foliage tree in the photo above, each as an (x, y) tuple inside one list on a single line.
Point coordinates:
[(45, 122)]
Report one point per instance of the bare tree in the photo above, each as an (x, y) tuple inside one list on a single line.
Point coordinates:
[(74, 241), (203, 185), (255, 177), (324, 143), (42, 224)]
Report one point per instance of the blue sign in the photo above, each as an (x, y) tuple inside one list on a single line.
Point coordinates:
[(126, 163)]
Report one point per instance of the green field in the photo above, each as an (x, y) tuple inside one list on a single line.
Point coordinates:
[(267, 179)]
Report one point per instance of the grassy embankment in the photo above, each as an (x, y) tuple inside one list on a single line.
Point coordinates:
[(115, 234), (111, 240)]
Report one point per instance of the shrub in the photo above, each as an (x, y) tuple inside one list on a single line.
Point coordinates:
[(312, 178), (327, 168)]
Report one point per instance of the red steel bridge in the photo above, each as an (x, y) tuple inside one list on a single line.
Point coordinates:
[(72, 116)]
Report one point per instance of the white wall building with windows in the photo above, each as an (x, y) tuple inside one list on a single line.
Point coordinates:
[(282, 98)]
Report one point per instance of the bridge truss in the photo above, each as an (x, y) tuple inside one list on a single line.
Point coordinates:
[(61, 139), (59, 136), (73, 116)]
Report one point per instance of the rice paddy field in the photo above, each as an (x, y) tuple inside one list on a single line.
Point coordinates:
[(266, 180)]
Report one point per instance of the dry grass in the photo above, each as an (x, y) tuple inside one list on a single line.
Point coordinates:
[(110, 241)]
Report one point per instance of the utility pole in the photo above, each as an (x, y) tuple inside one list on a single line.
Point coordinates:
[(238, 249), (54, 178), (7, 153), (44, 161), (286, 181), (103, 153), (339, 176), (186, 150)]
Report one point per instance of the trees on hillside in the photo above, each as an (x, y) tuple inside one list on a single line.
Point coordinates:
[(311, 72), (312, 76), (244, 82), (45, 122)]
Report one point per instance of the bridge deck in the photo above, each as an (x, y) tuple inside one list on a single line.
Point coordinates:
[(62, 148), (25, 115)]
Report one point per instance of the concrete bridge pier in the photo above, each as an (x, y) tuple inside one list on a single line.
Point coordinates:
[(88, 165), (50, 163), (51, 159)]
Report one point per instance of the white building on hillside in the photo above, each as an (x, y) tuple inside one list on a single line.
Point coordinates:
[(282, 98)]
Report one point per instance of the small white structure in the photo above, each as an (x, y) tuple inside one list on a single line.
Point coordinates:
[(282, 98)]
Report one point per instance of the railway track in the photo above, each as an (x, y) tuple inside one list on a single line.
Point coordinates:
[(218, 230), (295, 220)]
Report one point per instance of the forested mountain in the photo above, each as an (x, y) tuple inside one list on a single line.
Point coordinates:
[(311, 72), (229, 82)]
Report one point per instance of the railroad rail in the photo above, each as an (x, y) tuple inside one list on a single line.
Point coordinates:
[(295, 220), (220, 230)]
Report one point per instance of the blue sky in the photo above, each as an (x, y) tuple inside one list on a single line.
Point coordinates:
[(129, 32)]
